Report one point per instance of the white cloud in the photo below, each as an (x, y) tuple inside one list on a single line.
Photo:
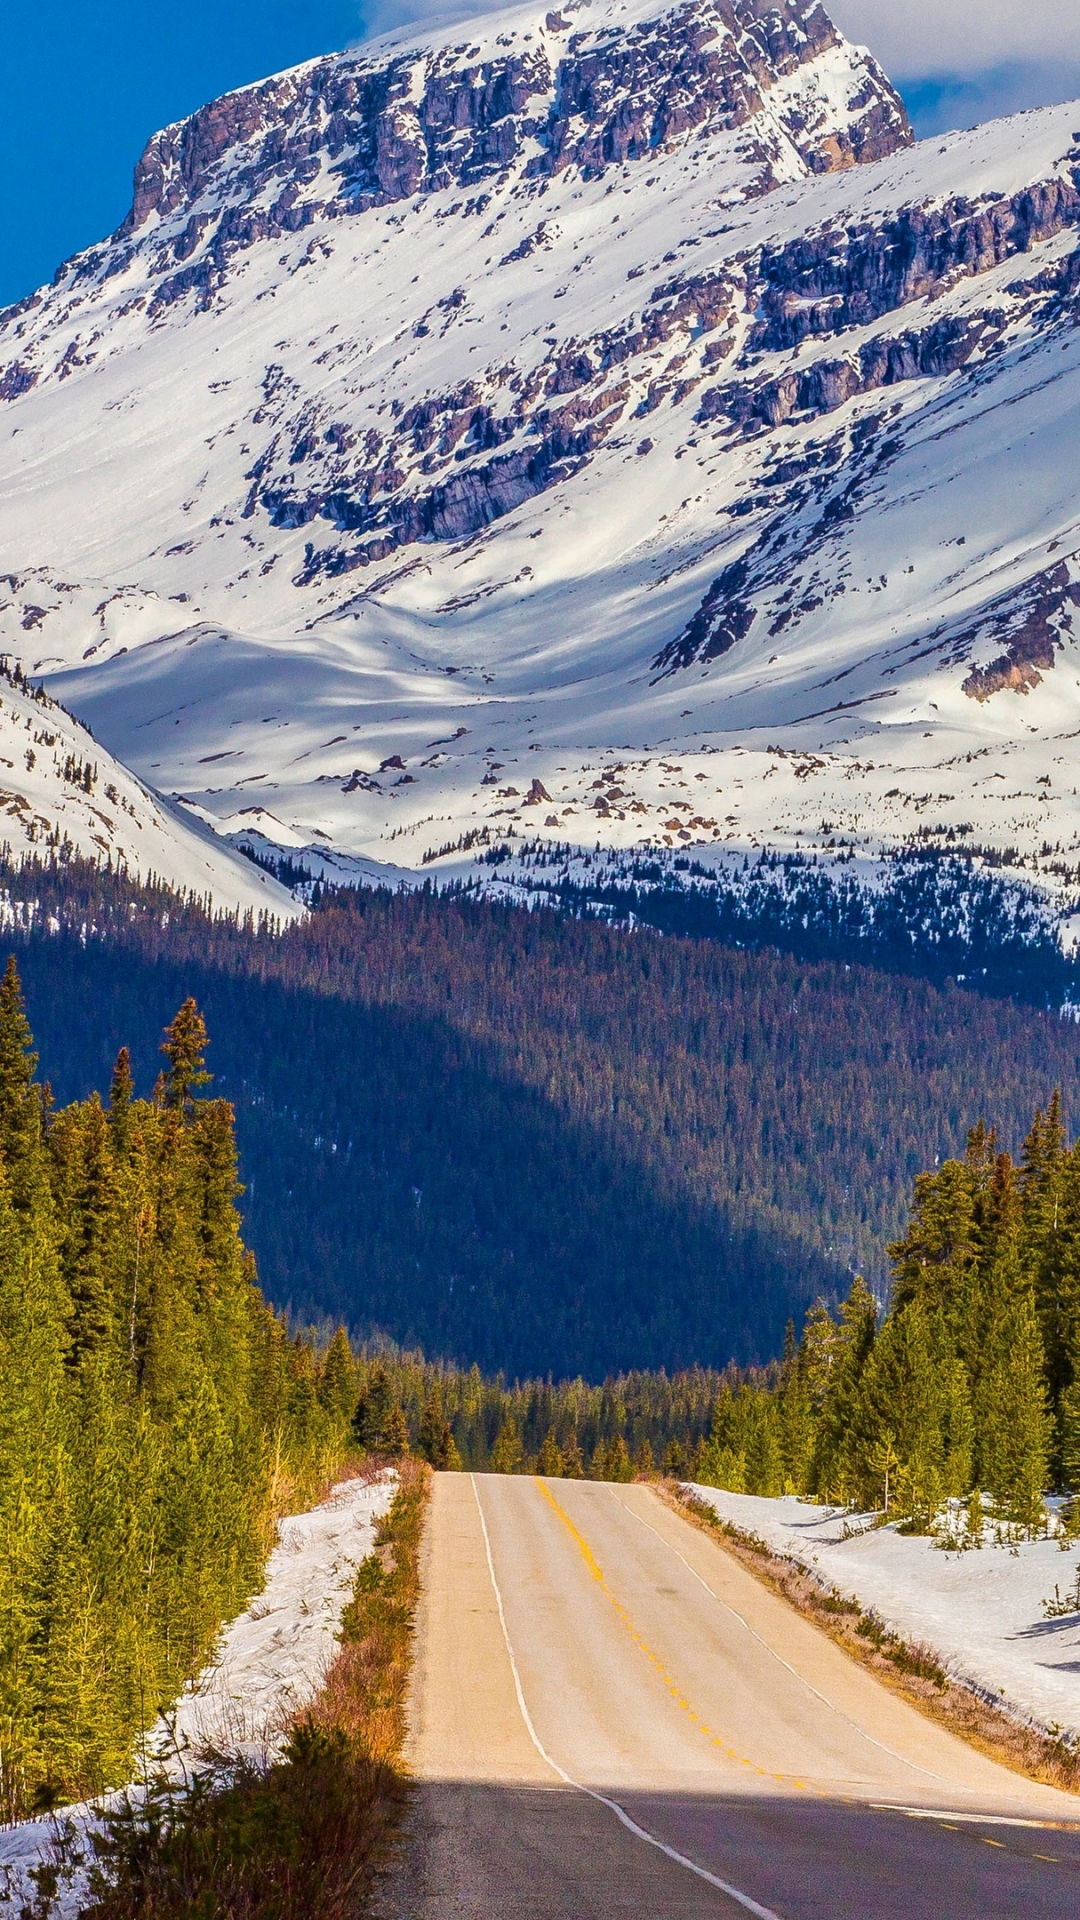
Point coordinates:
[(958, 62), (961, 36)]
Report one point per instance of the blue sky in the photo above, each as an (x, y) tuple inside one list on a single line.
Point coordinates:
[(83, 85)]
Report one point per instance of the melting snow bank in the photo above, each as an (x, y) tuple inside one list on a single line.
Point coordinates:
[(270, 1662), (980, 1611)]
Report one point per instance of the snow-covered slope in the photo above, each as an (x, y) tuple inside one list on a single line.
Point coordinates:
[(602, 425), (61, 794), (983, 1611)]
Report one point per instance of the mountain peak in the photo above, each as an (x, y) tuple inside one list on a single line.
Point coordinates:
[(465, 425), (524, 92)]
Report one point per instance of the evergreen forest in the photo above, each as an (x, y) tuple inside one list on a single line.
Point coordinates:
[(962, 1400), (566, 1185), (534, 1142), (155, 1415), (968, 1390)]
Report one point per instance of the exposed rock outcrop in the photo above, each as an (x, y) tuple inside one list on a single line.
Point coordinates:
[(884, 361), (826, 282), (354, 131), (1031, 624), (723, 618)]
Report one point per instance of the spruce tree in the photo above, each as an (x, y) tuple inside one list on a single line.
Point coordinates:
[(797, 1422), (21, 1109), (395, 1439), (506, 1454), (915, 1390), (337, 1381), (121, 1095), (372, 1413), (184, 1046), (1014, 1423), (933, 1262), (1070, 1437), (435, 1441), (87, 1191), (835, 1473)]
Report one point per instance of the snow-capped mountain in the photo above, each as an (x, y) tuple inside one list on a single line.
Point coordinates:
[(63, 795), (602, 425)]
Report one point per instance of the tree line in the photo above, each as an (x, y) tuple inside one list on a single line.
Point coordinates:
[(968, 1389), (457, 1419), (155, 1415), (534, 1142)]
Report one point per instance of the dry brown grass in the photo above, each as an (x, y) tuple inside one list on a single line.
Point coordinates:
[(905, 1668), (365, 1689)]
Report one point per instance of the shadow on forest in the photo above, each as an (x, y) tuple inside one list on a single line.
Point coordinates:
[(400, 1176)]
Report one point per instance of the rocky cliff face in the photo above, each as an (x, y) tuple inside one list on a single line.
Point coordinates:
[(350, 132), (460, 427)]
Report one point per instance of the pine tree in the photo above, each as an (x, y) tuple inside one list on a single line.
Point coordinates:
[(506, 1454), (21, 1133), (183, 1046), (1014, 1426), (549, 1460)]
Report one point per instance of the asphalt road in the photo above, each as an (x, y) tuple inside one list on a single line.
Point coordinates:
[(609, 1716)]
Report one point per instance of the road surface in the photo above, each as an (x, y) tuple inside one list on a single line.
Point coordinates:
[(610, 1716)]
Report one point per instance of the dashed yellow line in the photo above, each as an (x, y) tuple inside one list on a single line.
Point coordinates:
[(717, 1740)]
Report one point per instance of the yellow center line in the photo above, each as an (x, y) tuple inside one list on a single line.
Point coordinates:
[(597, 1574)]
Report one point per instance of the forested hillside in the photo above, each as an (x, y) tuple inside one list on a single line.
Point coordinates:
[(154, 1414), (971, 1384), (537, 1143)]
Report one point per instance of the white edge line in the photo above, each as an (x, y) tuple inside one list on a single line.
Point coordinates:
[(640, 1833), (779, 1658), (970, 1819)]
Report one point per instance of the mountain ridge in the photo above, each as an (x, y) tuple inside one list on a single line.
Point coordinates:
[(256, 453)]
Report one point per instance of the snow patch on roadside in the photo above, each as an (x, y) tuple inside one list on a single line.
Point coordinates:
[(271, 1660), (981, 1611)]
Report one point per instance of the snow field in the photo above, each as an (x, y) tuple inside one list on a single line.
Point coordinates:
[(272, 1659), (981, 1611)]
